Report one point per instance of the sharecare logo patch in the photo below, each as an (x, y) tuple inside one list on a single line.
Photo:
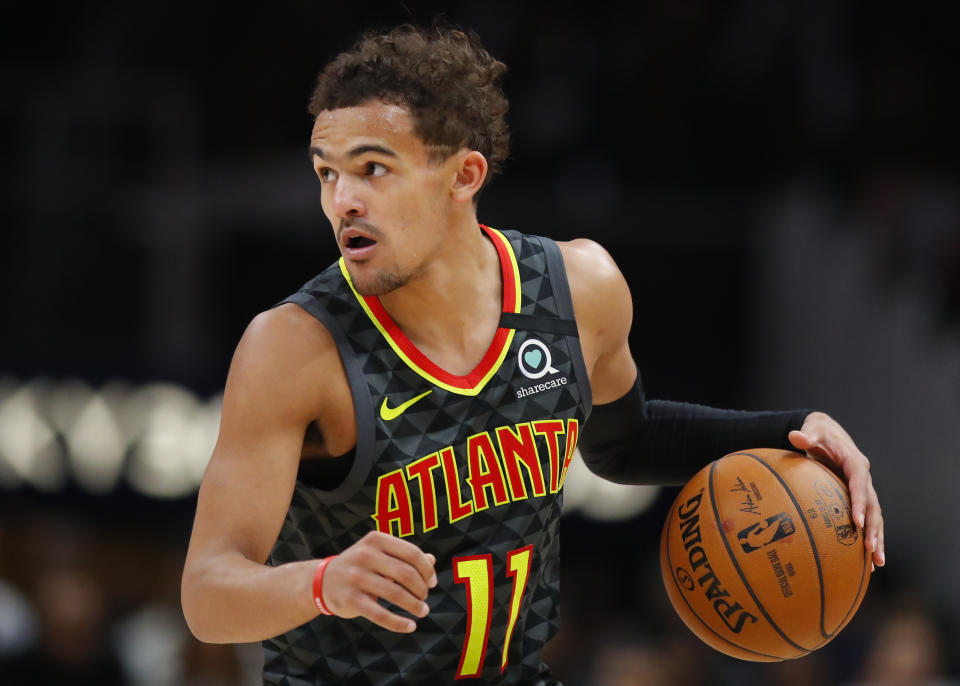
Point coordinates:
[(534, 359)]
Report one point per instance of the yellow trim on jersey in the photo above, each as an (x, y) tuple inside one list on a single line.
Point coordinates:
[(475, 390), (514, 267)]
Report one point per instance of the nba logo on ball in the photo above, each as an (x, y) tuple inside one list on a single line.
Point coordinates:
[(759, 535), (534, 359)]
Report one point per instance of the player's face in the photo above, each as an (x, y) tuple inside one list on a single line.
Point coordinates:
[(386, 200)]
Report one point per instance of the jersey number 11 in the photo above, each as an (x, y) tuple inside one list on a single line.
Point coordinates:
[(476, 573)]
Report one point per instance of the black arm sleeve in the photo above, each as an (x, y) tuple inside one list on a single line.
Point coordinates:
[(637, 441)]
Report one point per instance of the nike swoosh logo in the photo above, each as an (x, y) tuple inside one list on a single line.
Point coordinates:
[(387, 413)]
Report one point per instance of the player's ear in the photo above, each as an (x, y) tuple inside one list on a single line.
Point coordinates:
[(471, 170)]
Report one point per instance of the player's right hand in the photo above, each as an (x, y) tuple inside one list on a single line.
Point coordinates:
[(380, 566)]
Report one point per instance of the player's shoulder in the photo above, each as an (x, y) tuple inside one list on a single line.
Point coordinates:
[(602, 304), (591, 270), (285, 342), (289, 327)]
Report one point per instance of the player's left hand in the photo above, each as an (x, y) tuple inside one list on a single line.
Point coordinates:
[(826, 441)]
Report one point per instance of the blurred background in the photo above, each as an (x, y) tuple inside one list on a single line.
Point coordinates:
[(778, 181)]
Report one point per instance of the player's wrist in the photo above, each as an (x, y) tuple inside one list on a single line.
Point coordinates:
[(318, 575)]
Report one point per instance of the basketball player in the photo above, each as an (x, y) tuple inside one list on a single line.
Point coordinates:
[(382, 504)]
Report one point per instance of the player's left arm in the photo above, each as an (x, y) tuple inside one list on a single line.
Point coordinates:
[(632, 440)]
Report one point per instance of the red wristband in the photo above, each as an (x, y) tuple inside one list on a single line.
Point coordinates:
[(318, 585)]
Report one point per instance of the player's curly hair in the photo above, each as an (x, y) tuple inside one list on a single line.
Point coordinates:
[(442, 75)]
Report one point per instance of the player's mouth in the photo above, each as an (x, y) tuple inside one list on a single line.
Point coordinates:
[(356, 244)]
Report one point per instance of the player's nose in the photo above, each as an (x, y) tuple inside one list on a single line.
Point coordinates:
[(347, 201)]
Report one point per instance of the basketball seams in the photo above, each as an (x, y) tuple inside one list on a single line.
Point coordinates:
[(743, 577), (693, 612), (813, 543)]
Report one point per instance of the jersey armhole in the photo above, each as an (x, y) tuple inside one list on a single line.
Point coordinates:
[(561, 291), (362, 402)]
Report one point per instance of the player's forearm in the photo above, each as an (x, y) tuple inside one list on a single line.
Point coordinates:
[(230, 599), (633, 440)]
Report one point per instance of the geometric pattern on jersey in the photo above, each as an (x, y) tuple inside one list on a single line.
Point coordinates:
[(481, 556)]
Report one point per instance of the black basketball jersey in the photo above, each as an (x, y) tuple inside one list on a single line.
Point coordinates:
[(469, 468)]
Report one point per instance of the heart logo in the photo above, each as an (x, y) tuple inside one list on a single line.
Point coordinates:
[(533, 359)]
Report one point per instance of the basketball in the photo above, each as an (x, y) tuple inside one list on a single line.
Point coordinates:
[(760, 556)]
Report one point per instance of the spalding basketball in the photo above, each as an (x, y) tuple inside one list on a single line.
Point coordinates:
[(760, 555)]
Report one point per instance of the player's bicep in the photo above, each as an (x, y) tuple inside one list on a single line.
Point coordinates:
[(243, 499), (247, 486), (604, 312)]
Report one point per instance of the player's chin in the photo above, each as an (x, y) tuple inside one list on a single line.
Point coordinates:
[(373, 282)]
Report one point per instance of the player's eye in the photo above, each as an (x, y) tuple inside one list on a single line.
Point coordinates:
[(327, 175), (375, 169)]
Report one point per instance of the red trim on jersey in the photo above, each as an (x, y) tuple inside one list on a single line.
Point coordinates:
[(470, 380)]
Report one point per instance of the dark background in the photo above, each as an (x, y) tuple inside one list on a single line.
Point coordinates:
[(156, 195)]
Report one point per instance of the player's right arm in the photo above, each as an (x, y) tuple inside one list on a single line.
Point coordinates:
[(632, 440), (286, 373)]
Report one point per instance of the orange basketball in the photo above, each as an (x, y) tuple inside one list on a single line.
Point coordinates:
[(760, 556)]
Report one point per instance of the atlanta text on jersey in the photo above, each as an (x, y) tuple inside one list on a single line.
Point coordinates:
[(493, 475)]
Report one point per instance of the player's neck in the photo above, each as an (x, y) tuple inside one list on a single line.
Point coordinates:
[(451, 311)]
